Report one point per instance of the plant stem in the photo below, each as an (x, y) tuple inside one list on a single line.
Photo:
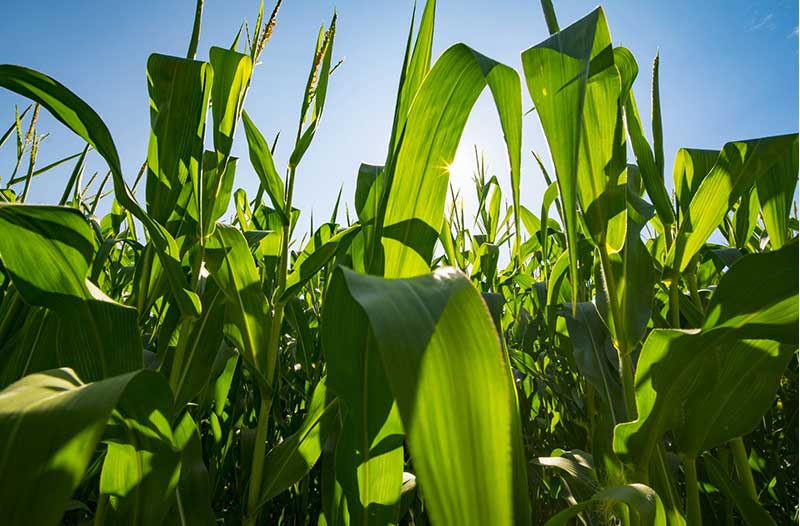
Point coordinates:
[(743, 466), (692, 493), (675, 300), (198, 16), (626, 365), (257, 465)]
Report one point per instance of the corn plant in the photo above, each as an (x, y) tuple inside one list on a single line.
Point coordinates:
[(618, 355)]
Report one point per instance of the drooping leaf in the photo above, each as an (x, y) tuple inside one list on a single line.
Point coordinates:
[(693, 382), (418, 184), (640, 499), (50, 424), (739, 165), (47, 251), (82, 119), (431, 335)]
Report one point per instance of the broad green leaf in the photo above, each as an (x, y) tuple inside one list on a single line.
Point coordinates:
[(750, 510), (640, 499), (179, 93), (433, 335), (775, 192), (47, 251), (576, 88), (714, 384), (247, 316), (691, 167), (141, 466), (578, 465), (740, 164), (50, 424), (82, 119), (292, 459), (202, 346), (192, 502), (366, 474), (596, 357), (325, 244), (261, 159), (232, 72), (418, 184), (757, 297)]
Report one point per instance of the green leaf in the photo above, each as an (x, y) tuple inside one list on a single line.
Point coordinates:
[(232, 72), (714, 384), (639, 498), (47, 251), (576, 88), (432, 335), (418, 185), (325, 244), (775, 192), (50, 424), (179, 93), (247, 315), (596, 357), (739, 165), (750, 510), (368, 462), (192, 496), (691, 167), (82, 119), (141, 466), (261, 159), (292, 459), (651, 176)]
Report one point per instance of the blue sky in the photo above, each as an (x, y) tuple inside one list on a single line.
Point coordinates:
[(729, 70)]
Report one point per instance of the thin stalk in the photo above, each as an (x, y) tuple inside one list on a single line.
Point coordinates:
[(692, 493), (31, 164), (198, 16), (675, 300), (550, 16), (257, 465), (743, 467), (626, 366)]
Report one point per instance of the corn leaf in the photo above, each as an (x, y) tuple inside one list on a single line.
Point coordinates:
[(740, 164), (261, 159), (247, 317), (640, 499), (142, 467), (693, 381), (50, 424), (82, 119), (418, 186), (179, 94), (47, 251), (292, 459), (576, 90), (462, 441)]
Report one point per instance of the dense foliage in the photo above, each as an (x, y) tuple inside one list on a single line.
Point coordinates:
[(618, 356)]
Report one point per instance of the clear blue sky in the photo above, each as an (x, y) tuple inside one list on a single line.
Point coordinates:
[(729, 70)]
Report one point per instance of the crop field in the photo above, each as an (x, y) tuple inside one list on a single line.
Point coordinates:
[(176, 351)]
